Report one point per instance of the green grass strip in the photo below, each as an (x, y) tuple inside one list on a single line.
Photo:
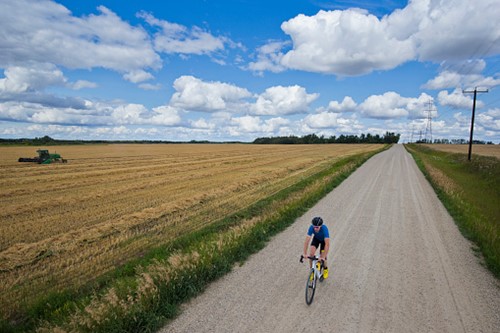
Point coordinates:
[(138, 296), (472, 196)]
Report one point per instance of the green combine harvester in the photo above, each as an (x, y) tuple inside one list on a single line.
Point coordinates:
[(44, 158)]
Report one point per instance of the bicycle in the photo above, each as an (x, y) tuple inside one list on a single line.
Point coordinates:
[(315, 274)]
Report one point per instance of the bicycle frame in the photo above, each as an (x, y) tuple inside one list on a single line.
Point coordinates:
[(317, 266), (315, 261)]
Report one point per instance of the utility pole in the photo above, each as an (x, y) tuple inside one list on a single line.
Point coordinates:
[(475, 91)]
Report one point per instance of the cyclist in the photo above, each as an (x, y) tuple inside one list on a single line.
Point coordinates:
[(320, 237)]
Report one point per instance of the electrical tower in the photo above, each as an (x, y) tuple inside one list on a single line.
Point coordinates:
[(428, 127)]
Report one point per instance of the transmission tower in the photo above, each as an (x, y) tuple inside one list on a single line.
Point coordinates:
[(428, 127)]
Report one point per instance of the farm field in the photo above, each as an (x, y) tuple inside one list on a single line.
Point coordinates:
[(62, 225), (485, 150)]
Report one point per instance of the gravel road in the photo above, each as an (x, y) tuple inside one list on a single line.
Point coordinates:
[(398, 264)]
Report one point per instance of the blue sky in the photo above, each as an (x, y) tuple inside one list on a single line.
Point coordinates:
[(241, 69)]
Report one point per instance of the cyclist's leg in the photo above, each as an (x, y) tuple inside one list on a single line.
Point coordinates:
[(323, 254)]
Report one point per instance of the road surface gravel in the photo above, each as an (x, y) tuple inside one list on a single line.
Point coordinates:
[(397, 264)]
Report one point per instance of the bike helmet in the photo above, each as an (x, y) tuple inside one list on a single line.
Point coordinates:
[(317, 221)]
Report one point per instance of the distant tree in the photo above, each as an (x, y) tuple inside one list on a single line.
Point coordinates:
[(391, 137)]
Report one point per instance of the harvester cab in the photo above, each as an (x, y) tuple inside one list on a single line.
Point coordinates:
[(43, 154)]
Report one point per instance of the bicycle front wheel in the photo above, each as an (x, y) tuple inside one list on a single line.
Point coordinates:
[(310, 287)]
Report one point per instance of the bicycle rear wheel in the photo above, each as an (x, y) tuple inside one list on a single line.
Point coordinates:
[(310, 287)]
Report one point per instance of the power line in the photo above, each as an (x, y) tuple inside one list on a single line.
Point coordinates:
[(476, 55), (493, 69), (493, 102)]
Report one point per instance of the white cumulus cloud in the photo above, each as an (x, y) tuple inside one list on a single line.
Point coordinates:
[(193, 94), (176, 38), (462, 74), (350, 42), (321, 120), (254, 124), (347, 105), (279, 100), (37, 77), (444, 80), (449, 29), (165, 116), (81, 84), (137, 76), (490, 120), (269, 58), (248, 124), (354, 42), (392, 105), (44, 31), (457, 99), (388, 105)]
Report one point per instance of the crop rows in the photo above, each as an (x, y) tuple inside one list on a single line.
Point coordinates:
[(63, 225)]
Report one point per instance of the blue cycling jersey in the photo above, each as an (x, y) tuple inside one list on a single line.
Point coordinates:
[(321, 234)]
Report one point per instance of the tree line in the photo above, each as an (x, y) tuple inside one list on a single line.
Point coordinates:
[(48, 141), (455, 142), (388, 137)]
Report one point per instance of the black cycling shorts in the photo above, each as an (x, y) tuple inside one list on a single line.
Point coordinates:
[(317, 243)]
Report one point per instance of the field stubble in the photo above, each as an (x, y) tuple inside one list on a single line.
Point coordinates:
[(63, 225), (485, 150)]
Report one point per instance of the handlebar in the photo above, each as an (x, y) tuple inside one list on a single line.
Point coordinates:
[(308, 257)]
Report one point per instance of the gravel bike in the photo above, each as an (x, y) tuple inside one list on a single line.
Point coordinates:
[(315, 275)]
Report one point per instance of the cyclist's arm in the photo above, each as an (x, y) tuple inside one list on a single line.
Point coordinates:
[(306, 245)]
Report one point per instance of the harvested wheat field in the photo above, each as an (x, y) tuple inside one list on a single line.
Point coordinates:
[(62, 225), (485, 150)]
